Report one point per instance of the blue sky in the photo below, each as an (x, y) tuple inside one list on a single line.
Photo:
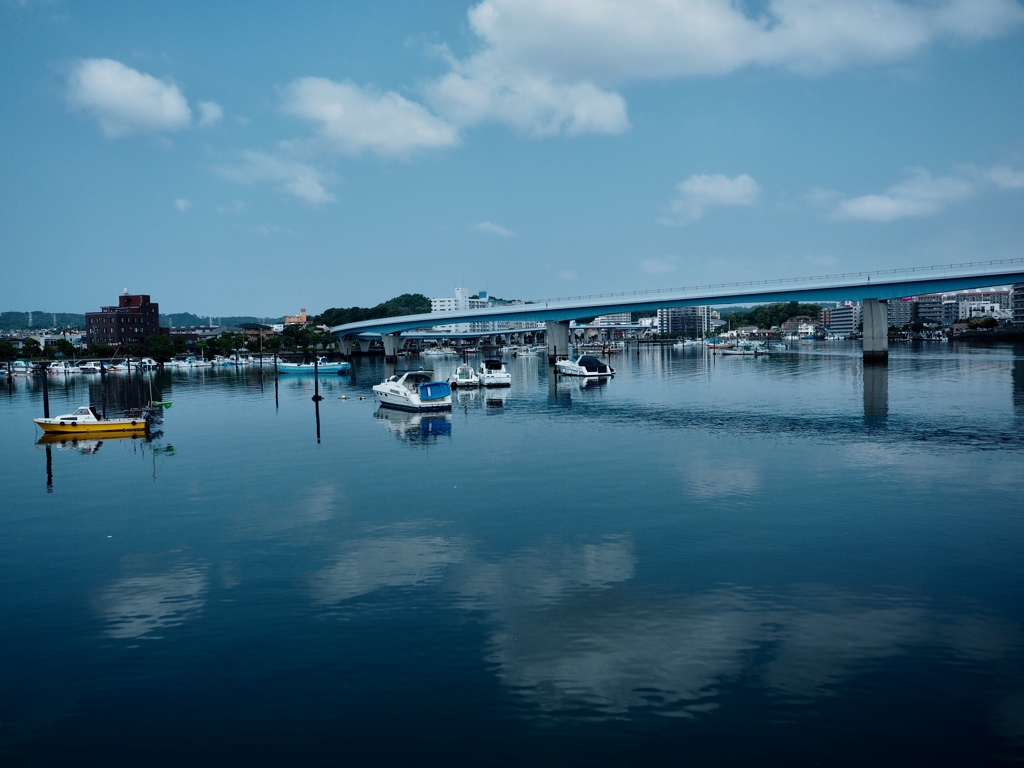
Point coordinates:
[(257, 158)]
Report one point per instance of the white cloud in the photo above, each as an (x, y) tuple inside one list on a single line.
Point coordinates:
[(620, 40), (921, 194), (125, 101), (353, 120), (1002, 177), (548, 66), (488, 228), (699, 192), (298, 179), (481, 90), (658, 266), (182, 204), (210, 113)]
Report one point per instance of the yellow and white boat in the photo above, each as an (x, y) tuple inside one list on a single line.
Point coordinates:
[(86, 421)]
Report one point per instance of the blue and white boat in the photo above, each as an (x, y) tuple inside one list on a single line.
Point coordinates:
[(414, 391), (321, 366)]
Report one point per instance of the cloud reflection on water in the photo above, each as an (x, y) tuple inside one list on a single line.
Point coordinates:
[(140, 606)]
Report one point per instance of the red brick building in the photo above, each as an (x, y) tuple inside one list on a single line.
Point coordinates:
[(132, 321)]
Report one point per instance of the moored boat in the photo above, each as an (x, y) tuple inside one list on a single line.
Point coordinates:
[(87, 421), (464, 376), (414, 391), (321, 366), (62, 366), (587, 366), (494, 374)]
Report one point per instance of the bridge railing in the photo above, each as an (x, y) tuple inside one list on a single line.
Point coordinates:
[(907, 271)]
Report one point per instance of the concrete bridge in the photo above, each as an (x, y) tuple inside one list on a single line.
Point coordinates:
[(873, 289)]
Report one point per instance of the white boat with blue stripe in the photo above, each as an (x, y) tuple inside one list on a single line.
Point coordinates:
[(414, 391)]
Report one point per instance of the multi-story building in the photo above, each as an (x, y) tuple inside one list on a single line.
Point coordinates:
[(689, 321), (132, 321), (969, 310), (1017, 304), (929, 309), (845, 319), (461, 300), (902, 313), (1001, 297)]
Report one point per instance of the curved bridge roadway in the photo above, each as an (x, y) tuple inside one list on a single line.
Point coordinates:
[(871, 288)]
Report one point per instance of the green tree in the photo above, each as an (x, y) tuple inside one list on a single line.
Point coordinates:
[(64, 348), (31, 348), (7, 351), (160, 348)]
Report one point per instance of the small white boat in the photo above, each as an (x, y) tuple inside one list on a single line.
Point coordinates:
[(414, 391), (464, 376), (494, 374), (587, 366), (751, 348), (321, 366), (90, 366), (62, 366), (436, 352)]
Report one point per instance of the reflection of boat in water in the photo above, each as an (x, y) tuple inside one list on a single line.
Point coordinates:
[(87, 421), (495, 398), (465, 376), (585, 365), (414, 391), (73, 442), (494, 374), (321, 366), (415, 427)]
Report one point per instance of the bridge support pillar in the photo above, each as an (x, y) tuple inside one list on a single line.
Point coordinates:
[(558, 339), (345, 347), (876, 331), (392, 344)]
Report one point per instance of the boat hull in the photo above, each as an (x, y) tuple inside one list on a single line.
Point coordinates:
[(308, 368), (107, 427)]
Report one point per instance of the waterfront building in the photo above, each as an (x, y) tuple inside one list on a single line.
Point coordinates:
[(616, 318), (902, 313), (929, 309), (132, 321), (845, 319), (968, 310), (1017, 304), (462, 301), (689, 321), (1001, 297)]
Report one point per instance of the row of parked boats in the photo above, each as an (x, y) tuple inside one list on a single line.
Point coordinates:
[(418, 391)]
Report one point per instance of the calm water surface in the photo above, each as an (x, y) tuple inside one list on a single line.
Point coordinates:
[(706, 560)]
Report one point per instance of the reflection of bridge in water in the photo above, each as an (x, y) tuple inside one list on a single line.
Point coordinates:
[(873, 289)]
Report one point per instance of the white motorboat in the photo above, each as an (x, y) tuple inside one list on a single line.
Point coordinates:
[(464, 376), (494, 374), (588, 366), (751, 348), (62, 366), (91, 366), (414, 391)]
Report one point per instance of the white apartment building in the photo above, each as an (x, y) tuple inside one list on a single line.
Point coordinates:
[(691, 321), (460, 301)]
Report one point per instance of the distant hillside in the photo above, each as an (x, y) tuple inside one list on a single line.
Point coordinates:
[(180, 319), (32, 321), (23, 321)]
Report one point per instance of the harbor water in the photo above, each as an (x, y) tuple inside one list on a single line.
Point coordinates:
[(783, 560)]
